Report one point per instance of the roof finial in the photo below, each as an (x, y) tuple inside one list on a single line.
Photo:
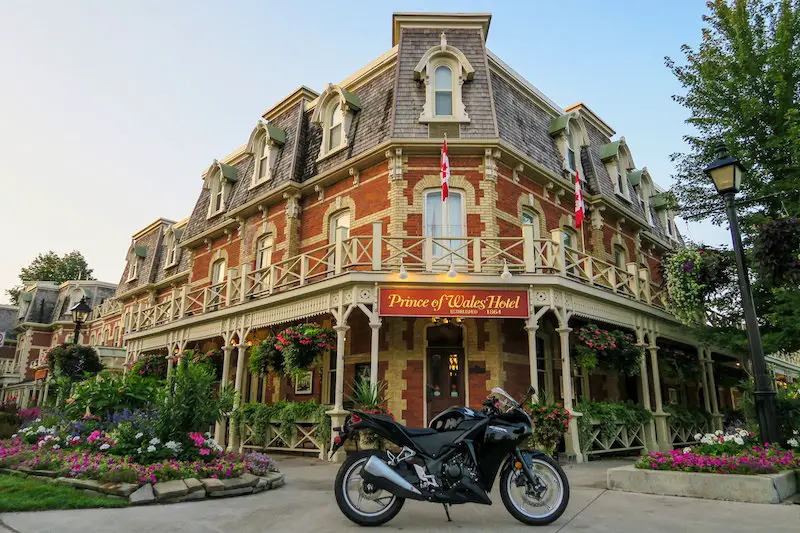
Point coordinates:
[(444, 42)]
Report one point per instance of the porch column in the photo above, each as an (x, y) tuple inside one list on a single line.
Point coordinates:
[(170, 363), (338, 413), (649, 428), (532, 326), (374, 347), (572, 440), (240, 362), (712, 387), (221, 426), (662, 428), (46, 390), (701, 357)]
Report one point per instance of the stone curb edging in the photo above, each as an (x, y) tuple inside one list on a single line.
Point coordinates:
[(758, 488), (179, 490)]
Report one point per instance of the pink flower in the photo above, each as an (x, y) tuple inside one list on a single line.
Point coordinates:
[(205, 451)]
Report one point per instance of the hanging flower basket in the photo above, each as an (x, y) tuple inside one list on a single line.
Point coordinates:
[(266, 358), (609, 349), (151, 366), (291, 351), (73, 361), (212, 359)]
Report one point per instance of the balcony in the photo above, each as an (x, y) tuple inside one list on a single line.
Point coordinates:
[(380, 253)]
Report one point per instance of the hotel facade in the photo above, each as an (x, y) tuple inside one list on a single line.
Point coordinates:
[(331, 212)]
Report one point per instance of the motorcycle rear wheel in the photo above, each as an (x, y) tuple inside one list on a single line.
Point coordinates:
[(525, 507), (355, 500)]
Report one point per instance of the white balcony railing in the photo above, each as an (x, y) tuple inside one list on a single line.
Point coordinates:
[(383, 253)]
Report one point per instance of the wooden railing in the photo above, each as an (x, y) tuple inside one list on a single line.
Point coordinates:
[(622, 439), (7, 366), (384, 253), (684, 435), (302, 438)]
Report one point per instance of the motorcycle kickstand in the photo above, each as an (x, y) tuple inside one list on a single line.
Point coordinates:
[(447, 511)]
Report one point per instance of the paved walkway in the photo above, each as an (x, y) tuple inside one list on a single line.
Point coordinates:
[(306, 504)]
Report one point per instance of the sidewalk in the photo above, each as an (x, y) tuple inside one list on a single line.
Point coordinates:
[(306, 503)]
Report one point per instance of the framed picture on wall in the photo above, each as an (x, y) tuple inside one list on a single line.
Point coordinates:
[(304, 383)]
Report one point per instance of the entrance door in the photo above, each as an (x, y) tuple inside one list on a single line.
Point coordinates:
[(445, 385)]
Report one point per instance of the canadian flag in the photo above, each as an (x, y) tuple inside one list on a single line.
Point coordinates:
[(578, 201), (445, 171)]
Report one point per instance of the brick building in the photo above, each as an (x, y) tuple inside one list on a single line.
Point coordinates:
[(42, 321), (331, 212)]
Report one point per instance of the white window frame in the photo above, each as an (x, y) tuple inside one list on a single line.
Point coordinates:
[(618, 248), (535, 220), (323, 115), (454, 240), (265, 245), (459, 112), (575, 243), (333, 224), (437, 90), (263, 161), (171, 245), (133, 267), (217, 189)]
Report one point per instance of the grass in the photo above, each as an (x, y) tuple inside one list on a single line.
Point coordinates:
[(28, 494)]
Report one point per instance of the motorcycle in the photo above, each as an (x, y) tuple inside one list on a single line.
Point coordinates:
[(453, 461)]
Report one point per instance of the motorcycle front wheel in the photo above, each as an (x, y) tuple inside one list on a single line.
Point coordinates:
[(358, 500), (540, 503)]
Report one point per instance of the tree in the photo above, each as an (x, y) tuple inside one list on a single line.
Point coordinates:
[(742, 85), (50, 267)]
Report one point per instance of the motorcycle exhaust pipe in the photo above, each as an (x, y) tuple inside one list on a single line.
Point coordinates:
[(380, 474)]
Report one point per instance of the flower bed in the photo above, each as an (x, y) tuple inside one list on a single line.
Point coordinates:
[(736, 452)]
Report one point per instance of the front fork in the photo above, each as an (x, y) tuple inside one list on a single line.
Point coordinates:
[(520, 463)]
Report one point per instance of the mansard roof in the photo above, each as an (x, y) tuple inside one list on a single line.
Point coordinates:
[(387, 100)]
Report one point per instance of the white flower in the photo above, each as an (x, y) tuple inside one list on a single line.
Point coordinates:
[(742, 432), (718, 433), (174, 446), (739, 441), (155, 441), (41, 429), (105, 446), (688, 449), (139, 435), (707, 439), (14, 436), (795, 432), (793, 442), (698, 436), (56, 446), (151, 448)]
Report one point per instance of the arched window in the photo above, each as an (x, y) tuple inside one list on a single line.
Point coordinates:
[(171, 244), (337, 221), (443, 90), (218, 272), (445, 221), (219, 180), (263, 159), (264, 246), (133, 265), (529, 216), (569, 238), (335, 126)]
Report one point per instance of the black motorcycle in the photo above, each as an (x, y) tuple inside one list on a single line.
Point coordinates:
[(454, 461)]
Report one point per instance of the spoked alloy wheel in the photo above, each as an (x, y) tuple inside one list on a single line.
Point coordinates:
[(359, 500), (536, 503)]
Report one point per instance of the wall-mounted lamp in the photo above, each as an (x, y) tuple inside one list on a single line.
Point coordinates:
[(506, 274), (403, 273), (451, 273)]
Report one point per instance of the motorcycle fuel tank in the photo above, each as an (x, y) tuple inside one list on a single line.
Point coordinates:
[(455, 418)]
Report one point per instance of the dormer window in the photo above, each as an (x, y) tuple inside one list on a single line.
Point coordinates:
[(618, 162), (133, 262), (334, 113), (443, 69), (171, 248), (265, 143), (570, 136), (219, 180)]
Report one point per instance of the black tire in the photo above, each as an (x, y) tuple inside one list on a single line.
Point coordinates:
[(531, 520), (345, 505)]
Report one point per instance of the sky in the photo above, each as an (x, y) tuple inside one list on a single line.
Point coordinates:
[(110, 111)]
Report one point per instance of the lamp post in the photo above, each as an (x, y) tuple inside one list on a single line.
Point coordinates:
[(80, 313), (726, 173)]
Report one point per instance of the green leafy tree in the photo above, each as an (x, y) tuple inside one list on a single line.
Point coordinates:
[(741, 85), (50, 266)]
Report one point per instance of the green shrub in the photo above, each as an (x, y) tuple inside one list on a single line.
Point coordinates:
[(608, 415), (109, 393), (74, 361), (688, 417)]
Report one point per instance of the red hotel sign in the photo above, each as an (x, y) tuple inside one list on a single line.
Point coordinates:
[(454, 302)]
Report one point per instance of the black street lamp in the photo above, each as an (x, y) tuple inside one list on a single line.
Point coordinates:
[(80, 313), (726, 173)]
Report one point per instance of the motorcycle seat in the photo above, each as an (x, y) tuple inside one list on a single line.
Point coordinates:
[(418, 432)]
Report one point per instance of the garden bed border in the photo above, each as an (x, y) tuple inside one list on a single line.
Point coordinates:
[(179, 490), (758, 488)]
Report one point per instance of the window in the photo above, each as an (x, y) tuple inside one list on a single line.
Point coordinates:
[(569, 239), (670, 225), (334, 113), (339, 220), (264, 251), (218, 180), (133, 265), (571, 159), (445, 220), (218, 272), (443, 69), (620, 257), (529, 216), (443, 87), (171, 242), (620, 183), (335, 128), (217, 198)]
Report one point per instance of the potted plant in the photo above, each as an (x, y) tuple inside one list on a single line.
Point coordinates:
[(612, 350), (369, 398), (301, 345), (550, 422)]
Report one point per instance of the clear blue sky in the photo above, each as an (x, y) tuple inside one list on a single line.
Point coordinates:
[(110, 110)]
